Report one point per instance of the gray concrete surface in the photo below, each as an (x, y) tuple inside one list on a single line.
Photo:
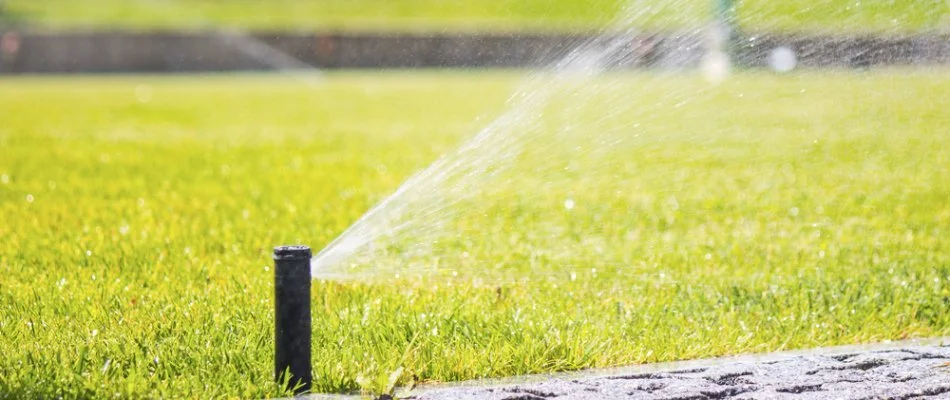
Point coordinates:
[(903, 370)]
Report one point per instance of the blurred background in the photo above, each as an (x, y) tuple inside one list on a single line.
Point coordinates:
[(66, 36)]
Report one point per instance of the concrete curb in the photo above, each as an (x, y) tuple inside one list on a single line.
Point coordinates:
[(904, 369)]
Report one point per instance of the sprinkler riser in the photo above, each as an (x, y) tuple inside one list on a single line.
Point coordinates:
[(292, 320)]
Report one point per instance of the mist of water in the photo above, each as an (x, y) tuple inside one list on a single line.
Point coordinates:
[(565, 122)]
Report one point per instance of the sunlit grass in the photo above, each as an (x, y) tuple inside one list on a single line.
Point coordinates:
[(138, 213), (507, 15)]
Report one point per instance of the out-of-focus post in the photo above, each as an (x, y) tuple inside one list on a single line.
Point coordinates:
[(728, 27)]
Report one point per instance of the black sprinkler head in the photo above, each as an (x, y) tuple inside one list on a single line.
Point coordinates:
[(292, 317)]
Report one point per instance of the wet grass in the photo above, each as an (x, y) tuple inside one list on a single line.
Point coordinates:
[(137, 216), (508, 15)]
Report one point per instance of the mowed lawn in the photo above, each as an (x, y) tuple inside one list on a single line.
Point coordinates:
[(839, 16), (138, 214)]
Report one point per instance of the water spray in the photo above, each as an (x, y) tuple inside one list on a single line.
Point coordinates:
[(292, 317), (721, 42)]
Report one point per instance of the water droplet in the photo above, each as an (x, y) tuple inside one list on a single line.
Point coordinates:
[(715, 66), (569, 204), (29, 198), (782, 59), (88, 253)]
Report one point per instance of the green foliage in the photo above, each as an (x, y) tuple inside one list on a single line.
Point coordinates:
[(138, 214)]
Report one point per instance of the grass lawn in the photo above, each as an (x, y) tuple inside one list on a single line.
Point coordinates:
[(452, 15), (138, 214)]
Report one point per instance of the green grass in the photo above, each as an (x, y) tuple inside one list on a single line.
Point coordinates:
[(435, 15), (794, 211)]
